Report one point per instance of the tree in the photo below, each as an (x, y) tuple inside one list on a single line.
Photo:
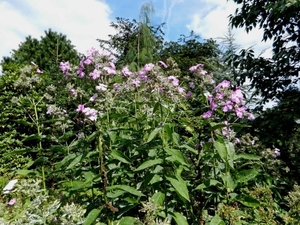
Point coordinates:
[(47, 52), (135, 42), (279, 21)]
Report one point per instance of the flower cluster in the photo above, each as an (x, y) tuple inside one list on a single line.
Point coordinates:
[(227, 100)]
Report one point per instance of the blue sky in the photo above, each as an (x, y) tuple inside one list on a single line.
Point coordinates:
[(85, 21)]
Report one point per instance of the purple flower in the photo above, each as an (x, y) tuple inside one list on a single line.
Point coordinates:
[(173, 80), (223, 84), (193, 68), (73, 92), (80, 108), (240, 111), (116, 86), (207, 114), (228, 106), (101, 87), (163, 64), (189, 94), (126, 72), (212, 104), (192, 85), (237, 141), (64, 66), (237, 96), (90, 113), (89, 60), (50, 110), (92, 51), (11, 202), (276, 152), (110, 70), (180, 90), (148, 67), (93, 97), (136, 82), (219, 95), (95, 74), (39, 71), (251, 116)]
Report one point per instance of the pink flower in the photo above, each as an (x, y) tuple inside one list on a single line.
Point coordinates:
[(223, 84), (180, 90), (11, 202), (228, 106), (192, 85), (237, 96), (95, 74), (80, 108), (207, 114), (136, 82), (90, 113), (64, 66), (163, 64), (101, 87), (148, 67), (110, 70), (93, 97), (126, 72), (189, 94), (240, 112), (193, 68), (116, 86), (173, 80), (251, 116), (73, 92), (89, 60), (39, 71)]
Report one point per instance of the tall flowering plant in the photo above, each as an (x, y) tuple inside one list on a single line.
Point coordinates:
[(130, 155)]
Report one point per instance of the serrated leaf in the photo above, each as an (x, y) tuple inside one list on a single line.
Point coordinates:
[(148, 164), (92, 216), (120, 156)]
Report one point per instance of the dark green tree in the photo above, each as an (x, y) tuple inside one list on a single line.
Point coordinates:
[(279, 21), (47, 52), (135, 42)]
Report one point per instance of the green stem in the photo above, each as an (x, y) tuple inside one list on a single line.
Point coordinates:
[(40, 141)]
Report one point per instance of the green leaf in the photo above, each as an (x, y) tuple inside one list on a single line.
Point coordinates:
[(74, 162), (153, 134), (65, 160), (189, 148), (92, 216), (247, 156), (28, 173), (32, 137), (247, 200), (228, 182), (179, 218), (216, 220), (126, 188), (177, 155), (120, 156), (175, 138), (148, 164), (158, 198), (127, 220), (180, 187), (246, 175), (221, 149)]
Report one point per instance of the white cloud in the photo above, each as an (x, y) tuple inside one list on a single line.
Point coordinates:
[(212, 22), (81, 21)]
